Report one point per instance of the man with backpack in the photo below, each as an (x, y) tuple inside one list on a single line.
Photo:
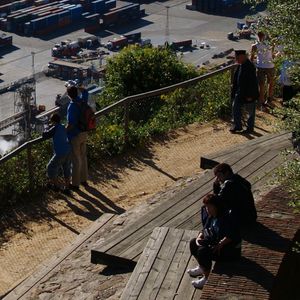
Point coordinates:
[(77, 134)]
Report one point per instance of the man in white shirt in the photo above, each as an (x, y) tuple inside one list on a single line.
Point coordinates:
[(265, 67)]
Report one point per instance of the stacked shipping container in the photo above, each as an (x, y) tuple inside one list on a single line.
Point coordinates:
[(39, 17), (113, 16), (216, 6)]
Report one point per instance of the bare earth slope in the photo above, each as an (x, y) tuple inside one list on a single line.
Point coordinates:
[(34, 233)]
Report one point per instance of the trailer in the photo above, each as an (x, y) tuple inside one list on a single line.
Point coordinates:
[(117, 43), (182, 44)]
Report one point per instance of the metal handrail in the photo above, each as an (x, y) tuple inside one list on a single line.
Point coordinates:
[(123, 102)]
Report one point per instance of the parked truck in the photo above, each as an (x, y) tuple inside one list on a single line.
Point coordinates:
[(181, 44), (117, 43), (70, 48)]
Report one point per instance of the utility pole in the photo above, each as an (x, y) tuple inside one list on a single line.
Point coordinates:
[(167, 24), (33, 76)]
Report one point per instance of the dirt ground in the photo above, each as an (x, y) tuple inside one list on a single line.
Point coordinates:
[(32, 234)]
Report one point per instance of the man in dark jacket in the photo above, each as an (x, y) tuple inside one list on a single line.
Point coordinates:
[(244, 92), (235, 194)]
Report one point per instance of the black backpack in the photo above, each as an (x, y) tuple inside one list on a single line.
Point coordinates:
[(87, 119)]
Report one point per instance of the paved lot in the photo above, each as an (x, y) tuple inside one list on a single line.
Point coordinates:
[(183, 24)]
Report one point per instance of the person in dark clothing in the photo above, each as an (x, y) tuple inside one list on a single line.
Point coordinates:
[(235, 194), (219, 239), (62, 153), (244, 92)]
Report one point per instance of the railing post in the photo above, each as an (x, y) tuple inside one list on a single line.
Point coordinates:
[(126, 122), (30, 167)]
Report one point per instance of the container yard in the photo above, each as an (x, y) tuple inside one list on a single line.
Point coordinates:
[(42, 17), (215, 6)]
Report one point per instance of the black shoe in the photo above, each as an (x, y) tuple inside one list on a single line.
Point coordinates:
[(234, 129), (74, 187), (67, 192), (248, 131), (85, 184)]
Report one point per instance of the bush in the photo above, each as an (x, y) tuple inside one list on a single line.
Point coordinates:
[(133, 71)]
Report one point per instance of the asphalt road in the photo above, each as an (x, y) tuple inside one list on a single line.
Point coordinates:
[(183, 24)]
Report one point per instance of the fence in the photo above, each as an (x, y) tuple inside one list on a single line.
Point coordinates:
[(123, 103)]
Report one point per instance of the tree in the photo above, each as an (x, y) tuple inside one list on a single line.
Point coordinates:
[(140, 69)]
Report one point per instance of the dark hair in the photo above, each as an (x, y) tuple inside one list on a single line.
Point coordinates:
[(214, 200), (72, 92), (211, 199), (223, 168), (55, 118)]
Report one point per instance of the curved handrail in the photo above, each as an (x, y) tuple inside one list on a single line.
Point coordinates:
[(124, 101)]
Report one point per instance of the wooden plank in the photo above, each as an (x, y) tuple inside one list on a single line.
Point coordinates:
[(131, 244), (277, 142), (178, 267), (140, 273), (185, 290), (143, 223), (210, 161), (257, 159), (260, 141), (161, 265), (22, 288)]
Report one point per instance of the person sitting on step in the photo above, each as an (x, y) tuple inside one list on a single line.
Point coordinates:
[(219, 239), (236, 195)]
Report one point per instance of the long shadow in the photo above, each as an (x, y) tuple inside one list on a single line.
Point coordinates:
[(238, 11), (121, 29), (9, 49), (151, 164), (133, 160), (15, 218), (92, 213), (103, 198), (247, 268), (118, 269), (266, 237)]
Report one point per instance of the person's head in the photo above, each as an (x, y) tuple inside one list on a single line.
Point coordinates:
[(240, 56), (72, 92), (54, 119), (212, 204), (261, 36), (79, 84), (223, 172)]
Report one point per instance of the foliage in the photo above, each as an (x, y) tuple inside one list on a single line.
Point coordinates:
[(147, 69), (282, 23), (14, 175), (289, 176)]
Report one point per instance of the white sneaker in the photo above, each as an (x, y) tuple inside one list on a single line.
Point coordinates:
[(199, 284), (195, 272)]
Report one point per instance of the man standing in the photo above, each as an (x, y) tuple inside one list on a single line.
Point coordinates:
[(244, 92), (78, 140), (265, 67)]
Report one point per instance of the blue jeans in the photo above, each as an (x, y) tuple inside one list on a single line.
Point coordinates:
[(237, 113), (58, 162)]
